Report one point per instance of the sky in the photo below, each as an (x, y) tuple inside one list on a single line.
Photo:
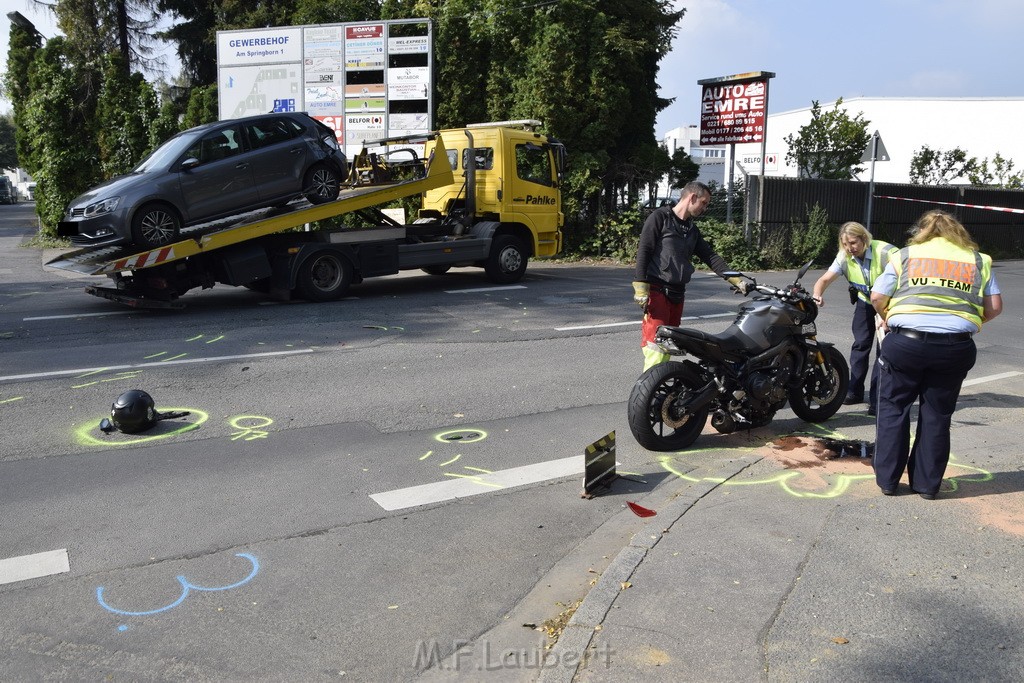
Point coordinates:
[(826, 49), (818, 49)]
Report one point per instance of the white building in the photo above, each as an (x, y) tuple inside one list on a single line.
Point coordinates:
[(981, 127)]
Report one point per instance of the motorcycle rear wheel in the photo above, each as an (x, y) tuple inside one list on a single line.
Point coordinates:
[(821, 395), (655, 404)]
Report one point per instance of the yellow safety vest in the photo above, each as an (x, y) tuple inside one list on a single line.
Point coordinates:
[(880, 252), (940, 277)]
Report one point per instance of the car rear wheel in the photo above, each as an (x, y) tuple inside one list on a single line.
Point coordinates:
[(155, 225), (321, 184)]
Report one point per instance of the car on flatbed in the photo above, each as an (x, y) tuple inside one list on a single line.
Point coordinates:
[(210, 172)]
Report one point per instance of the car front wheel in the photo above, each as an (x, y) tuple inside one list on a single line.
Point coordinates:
[(155, 225)]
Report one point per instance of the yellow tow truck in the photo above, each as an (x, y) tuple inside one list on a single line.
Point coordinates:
[(490, 198)]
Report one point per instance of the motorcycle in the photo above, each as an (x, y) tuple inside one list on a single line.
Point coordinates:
[(741, 377)]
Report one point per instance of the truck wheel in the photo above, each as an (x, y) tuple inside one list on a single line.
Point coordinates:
[(155, 225), (436, 270), (507, 261), (324, 277), (321, 184)]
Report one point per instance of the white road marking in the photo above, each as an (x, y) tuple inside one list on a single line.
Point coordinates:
[(33, 566), (473, 290), (78, 315), (637, 322), (182, 361), (425, 494), (991, 378)]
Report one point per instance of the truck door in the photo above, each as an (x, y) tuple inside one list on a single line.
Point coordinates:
[(534, 187)]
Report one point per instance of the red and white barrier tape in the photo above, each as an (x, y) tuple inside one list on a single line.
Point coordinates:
[(968, 206)]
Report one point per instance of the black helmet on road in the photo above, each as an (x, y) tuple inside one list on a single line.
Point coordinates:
[(133, 412)]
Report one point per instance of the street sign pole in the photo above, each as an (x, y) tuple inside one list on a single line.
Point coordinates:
[(871, 185), (875, 152)]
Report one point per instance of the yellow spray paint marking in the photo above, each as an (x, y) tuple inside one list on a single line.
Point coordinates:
[(426, 455), (449, 462), (91, 373), (85, 437), (180, 355), (840, 484), (82, 386), (195, 338), (475, 479), (215, 339), (154, 355), (476, 469), (11, 400), (461, 435), (128, 374), (250, 432)]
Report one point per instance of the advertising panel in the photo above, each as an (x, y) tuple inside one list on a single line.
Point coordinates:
[(250, 90), (364, 47), (353, 76), (734, 109)]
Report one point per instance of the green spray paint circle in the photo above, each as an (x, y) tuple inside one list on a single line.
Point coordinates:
[(85, 437), (461, 436)]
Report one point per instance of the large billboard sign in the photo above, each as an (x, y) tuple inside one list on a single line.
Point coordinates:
[(734, 109), (364, 80)]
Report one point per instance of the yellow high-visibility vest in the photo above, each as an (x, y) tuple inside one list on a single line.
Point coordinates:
[(940, 277), (880, 252)]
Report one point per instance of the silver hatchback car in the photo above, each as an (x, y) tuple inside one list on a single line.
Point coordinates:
[(207, 173)]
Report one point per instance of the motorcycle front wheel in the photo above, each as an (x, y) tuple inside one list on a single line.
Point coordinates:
[(657, 408), (824, 388)]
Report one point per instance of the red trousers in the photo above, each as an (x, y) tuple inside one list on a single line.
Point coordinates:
[(660, 311)]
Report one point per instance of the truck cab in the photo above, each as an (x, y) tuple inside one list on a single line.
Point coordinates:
[(517, 174)]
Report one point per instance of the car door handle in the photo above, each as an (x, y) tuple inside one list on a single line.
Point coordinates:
[(242, 164), (295, 150)]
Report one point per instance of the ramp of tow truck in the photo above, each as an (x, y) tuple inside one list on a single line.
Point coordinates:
[(208, 237)]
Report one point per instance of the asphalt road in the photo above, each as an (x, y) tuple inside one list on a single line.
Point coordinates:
[(245, 541)]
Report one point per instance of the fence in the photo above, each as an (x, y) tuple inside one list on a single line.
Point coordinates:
[(788, 201)]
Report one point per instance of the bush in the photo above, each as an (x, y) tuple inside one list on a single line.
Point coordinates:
[(615, 236), (729, 241)]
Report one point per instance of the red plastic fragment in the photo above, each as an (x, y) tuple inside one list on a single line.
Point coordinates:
[(640, 511)]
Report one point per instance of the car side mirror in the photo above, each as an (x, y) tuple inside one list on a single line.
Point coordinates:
[(189, 164)]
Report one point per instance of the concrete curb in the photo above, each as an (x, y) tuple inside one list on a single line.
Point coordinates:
[(575, 639)]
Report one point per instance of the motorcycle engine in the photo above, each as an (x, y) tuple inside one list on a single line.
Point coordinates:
[(768, 388)]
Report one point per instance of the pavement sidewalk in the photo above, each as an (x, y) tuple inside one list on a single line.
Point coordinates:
[(776, 562)]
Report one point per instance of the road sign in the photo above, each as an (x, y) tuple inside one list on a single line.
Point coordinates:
[(875, 145)]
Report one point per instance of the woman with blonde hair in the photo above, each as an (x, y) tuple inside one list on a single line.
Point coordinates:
[(861, 259), (933, 296)]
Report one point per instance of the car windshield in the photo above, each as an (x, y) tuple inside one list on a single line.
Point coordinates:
[(165, 154)]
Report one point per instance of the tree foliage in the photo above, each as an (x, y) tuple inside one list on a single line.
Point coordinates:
[(830, 146), (24, 44), (1000, 174), (934, 167), (60, 121), (8, 148)]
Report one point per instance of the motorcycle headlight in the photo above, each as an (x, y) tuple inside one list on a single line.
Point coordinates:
[(101, 207)]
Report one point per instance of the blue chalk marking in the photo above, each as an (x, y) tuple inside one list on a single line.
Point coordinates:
[(122, 627), (186, 587)]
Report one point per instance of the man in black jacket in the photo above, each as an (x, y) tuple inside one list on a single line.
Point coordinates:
[(668, 242)]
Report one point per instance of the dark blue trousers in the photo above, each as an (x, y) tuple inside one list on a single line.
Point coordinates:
[(860, 352), (913, 370)]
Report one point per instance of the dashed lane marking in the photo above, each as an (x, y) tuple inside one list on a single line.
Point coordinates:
[(637, 322), (34, 566), (182, 361), (464, 486), (474, 290)]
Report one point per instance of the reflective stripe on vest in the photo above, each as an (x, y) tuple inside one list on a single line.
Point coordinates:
[(855, 274), (940, 277)]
